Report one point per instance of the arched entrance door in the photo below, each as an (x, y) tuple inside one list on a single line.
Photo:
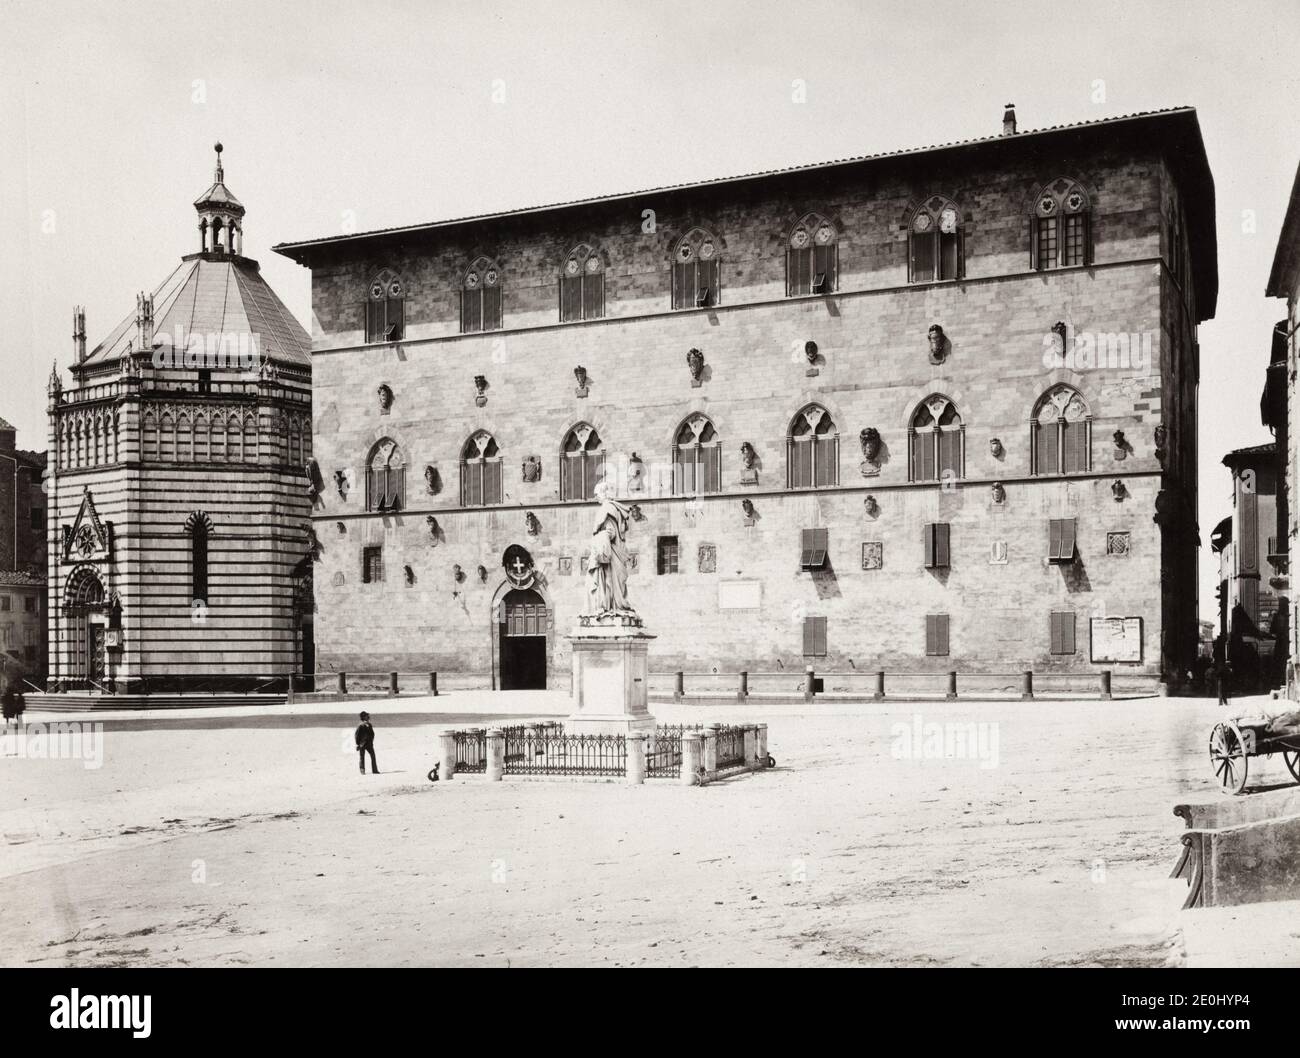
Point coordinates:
[(86, 625), (523, 640)]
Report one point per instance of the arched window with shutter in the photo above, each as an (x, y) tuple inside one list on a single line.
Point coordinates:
[(935, 241), (812, 450), (697, 270), (582, 463), (697, 457), (385, 477), (936, 441), (812, 257), (582, 285), (386, 308), (481, 297), (480, 471), (1061, 430)]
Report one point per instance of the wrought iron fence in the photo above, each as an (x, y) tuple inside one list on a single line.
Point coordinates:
[(546, 751), (731, 747), (663, 753), (471, 750)]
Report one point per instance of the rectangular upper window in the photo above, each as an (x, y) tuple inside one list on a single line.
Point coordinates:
[(666, 552), (372, 564), (1060, 540), (814, 545), (814, 637), (936, 635), (937, 549)]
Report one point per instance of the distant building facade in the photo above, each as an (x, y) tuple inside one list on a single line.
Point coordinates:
[(921, 411), (180, 484), (1279, 401), (22, 560)]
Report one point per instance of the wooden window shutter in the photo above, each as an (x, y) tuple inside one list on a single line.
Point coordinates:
[(1067, 539), (593, 296), (809, 637), (492, 481), (475, 483), (396, 319), (949, 453), (819, 637), (492, 308), (826, 461), (928, 541), (470, 310), (708, 278), (941, 633), (713, 468), (1072, 447), (570, 298), (801, 471), (1067, 633), (797, 272), (941, 550), (1055, 625), (684, 285), (1054, 539), (825, 259), (922, 245), (372, 320), (931, 634)]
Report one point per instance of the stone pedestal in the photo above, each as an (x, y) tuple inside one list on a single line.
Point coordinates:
[(610, 671)]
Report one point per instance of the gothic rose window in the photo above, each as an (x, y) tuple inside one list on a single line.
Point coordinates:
[(697, 270), (1060, 226), (812, 257), (582, 463), (697, 458), (386, 308), (936, 441), (1062, 433), (480, 297), (480, 471), (385, 477), (582, 285), (812, 450), (935, 241)]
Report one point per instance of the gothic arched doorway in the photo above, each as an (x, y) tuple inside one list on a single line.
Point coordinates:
[(522, 631), (84, 603)]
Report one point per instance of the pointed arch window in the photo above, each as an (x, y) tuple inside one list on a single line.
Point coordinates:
[(480, 297), (697, 457), (582, 285), (936, 441), (697, 270), (582, 463), (1060, 226), (812, 450), (812, 257), (1061, 433), (480, 471), (385, 477), (935, 241), (198, 528), (386, 308)]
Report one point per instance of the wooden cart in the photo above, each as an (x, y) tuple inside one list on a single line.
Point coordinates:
[(1234, 742)]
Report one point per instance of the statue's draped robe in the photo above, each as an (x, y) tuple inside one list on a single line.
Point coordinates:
[(607, 561)]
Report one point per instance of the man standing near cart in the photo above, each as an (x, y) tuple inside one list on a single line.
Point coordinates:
[(365, 738)]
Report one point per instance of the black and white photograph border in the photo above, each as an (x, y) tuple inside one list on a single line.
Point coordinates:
[(751, 485)]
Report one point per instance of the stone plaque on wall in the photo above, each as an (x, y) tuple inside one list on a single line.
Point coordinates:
[(740, 595), (633, 562), (873, 554), (708, 558), (998, 553), (564, 566)]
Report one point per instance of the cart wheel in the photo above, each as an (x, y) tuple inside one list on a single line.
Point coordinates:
[(1292, 758), (1228, 757)]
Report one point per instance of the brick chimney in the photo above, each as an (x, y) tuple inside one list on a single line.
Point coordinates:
[(1009, 120)]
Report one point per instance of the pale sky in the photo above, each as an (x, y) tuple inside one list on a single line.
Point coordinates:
[(385, 113)]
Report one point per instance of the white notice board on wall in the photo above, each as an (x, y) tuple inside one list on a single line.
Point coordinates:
[(1117, 639), (740, 595)]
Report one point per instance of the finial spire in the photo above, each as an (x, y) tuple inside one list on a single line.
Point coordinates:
[(220, 174)]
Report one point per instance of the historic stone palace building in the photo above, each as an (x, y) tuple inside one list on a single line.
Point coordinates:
[(180, 483), (920, 411)]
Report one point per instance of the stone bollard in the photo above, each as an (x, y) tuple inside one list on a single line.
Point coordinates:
[(710, 760), (808, 677), (952, 687), (433, 684), (1103, 681), (392, 685), (679, 686), (447, 751), (496, 754), (288, 694), (742, 692), (880, 685), (761, 732), (692, 757), (1027, 685), (636, 758), (751, 748), (343, 683)]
